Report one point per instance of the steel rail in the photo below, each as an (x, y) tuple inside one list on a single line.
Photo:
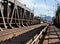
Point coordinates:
[(43, 30)]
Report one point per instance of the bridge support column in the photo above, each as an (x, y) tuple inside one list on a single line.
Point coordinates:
[(4, 11)]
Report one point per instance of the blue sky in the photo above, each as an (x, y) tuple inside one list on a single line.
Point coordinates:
[(41, 7)]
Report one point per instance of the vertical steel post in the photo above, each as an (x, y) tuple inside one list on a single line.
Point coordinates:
[(12, 13), (17, 13), (3, 14), (18, 18)]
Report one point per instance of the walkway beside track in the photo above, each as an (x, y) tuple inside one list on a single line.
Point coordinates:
[(9, 33), (53, 36)]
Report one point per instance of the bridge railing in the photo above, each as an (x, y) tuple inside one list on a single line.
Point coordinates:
[(40, 35)]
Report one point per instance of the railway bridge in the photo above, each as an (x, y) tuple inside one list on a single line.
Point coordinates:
[(18, 26), (17, 23)]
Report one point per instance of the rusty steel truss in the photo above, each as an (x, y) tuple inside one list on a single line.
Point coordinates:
[(14, 14)]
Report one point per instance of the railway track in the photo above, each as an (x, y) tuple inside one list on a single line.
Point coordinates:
[(38, 39), (53, 36)]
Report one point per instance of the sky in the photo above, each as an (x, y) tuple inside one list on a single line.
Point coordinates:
[(42, 7)]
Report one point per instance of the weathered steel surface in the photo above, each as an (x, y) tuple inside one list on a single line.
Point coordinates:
[(21, 5)]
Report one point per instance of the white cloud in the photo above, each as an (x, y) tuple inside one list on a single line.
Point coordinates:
[(43, 6), (57, 0), (30, 4)]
